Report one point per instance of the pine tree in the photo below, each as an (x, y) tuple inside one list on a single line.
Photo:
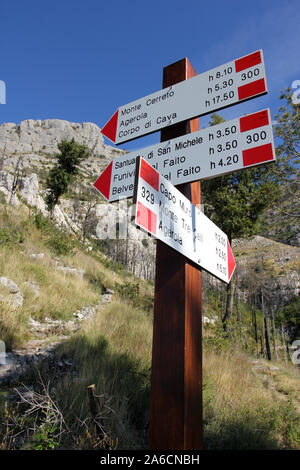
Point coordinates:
[(65, 170), (287, 170), (289, 317), (235, 201)]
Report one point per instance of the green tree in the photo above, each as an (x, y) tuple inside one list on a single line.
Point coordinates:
[(235, 201), (289, 316), (65, 170), (287, 170)]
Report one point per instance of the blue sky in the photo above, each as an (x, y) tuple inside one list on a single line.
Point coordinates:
[(80, 60)]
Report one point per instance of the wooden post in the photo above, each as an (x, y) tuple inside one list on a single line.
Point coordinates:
[(176, 393), (96, 411)]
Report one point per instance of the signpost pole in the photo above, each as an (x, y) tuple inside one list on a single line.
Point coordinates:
[(176, 391)]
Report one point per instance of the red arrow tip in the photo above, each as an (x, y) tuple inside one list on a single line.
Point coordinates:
[(110, 128), (231, 261), (103, 182)]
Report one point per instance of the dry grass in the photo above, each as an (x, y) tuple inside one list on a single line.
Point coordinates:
[(232, 375), (60, 293), (242, 410), (113, 351), (284, 380), (100, 268), (13, 326)]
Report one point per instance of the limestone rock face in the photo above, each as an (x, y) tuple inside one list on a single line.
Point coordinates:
[(32, 145), (6, 185), (6, 180), (43, 136), (273, 265), (29, 192)]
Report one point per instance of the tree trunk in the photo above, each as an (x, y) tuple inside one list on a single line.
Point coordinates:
[(263, 326), (267, 338), (223, 302), (274, 334), (283, 344), (126, 249), (262, 345), (254, 320), (266, 328), (238, 312), (237, 304), (15, 181), (229, 304)]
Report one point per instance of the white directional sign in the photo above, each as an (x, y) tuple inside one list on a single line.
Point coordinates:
[(169, 216), (223, 86), (224, 148)]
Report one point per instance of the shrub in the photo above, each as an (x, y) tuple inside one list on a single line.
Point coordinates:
[(60, 244), (56, 239), (13, 236), (43, 223), (128, 290)]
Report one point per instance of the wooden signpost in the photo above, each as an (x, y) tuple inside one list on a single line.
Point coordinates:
[(176, 382), (176, 388)]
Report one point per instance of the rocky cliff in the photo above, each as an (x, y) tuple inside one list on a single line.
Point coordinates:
[(268, 266), (27, 152), (35, 142), (282, 223)]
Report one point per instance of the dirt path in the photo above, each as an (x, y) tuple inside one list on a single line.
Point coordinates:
[(283, 380), (45, 337)]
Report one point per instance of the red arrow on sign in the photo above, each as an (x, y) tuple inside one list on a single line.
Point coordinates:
[(110, 128), (188, 231), (103, 182), (201, 94), (231, 261), (202, 159)]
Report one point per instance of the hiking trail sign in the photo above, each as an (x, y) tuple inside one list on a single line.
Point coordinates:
[(165, 213), (223, 86), (207, 153), (187, 239)]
